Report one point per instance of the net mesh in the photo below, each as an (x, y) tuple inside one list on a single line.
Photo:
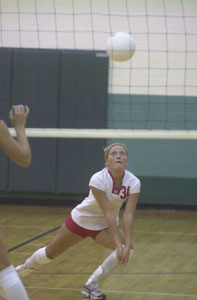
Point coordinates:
[(156, 89)]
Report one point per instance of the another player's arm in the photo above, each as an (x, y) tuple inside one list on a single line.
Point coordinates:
[(103, 201), (18, 150), (127, 223)]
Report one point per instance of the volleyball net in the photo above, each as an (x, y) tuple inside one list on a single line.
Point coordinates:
[(156, 89)]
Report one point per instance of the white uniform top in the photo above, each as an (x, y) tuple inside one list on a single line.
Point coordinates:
[(88, 213)]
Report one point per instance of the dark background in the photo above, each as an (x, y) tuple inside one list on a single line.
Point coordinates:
[(63, 89)]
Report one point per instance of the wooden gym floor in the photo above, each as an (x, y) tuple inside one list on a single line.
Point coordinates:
[(163, 266)]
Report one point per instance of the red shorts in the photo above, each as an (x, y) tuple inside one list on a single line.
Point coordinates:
[(75, 228)]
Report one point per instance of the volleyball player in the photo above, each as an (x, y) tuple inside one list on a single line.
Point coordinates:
[(97, 217), (18, 150)]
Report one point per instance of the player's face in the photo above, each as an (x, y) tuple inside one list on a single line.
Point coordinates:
[(117, 158)]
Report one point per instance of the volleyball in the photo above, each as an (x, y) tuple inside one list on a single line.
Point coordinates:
[(120, 46)]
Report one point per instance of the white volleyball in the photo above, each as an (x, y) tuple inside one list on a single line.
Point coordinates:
[(120, 46)]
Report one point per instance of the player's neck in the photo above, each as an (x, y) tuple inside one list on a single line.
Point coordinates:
[(117, 174)]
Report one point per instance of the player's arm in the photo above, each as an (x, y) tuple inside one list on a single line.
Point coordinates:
[(18, 150), (127, 223), (103, 201)]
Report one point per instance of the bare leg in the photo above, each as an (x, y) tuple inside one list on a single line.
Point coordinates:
[(105, 269), (104, 238), (110, 263), (62, 241)]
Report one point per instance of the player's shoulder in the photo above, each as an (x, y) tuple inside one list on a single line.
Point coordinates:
[(99, 174), (130, 176), (98, 180)]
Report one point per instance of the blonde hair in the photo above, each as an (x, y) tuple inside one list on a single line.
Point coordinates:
[(108, 148)]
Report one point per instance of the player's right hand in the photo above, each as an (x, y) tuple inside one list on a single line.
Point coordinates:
[(18, 115)]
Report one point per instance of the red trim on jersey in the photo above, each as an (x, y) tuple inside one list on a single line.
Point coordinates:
[(115, 190), (75, 228)]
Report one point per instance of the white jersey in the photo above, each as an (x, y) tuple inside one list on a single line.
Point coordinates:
[(88, 213)]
